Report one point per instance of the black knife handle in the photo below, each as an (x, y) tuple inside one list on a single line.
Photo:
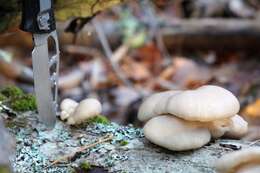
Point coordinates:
[(38, 16)]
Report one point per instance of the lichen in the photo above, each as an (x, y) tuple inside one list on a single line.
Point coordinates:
[(36, 148)]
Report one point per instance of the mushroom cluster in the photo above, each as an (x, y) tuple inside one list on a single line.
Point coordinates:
[(76, 113), (243, 161), (184, 120)]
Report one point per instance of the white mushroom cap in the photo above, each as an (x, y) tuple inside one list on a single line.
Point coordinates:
[(176, 134), (234, 127), (160, 106), (67, 106), (86, 109), (230, 162), (238, 127), (207, 103), (147, 108), (251, 168)]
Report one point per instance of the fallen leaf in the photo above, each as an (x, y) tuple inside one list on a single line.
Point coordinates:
[(252, 110)]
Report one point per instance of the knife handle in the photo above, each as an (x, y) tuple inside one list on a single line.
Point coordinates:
[(38, 16)]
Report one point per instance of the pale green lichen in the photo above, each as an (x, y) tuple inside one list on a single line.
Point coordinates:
[(36, 147)]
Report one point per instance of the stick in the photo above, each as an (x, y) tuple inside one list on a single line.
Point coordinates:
[(83, 148), (109, 54)]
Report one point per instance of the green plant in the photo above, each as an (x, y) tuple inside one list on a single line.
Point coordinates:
[(123, 143), (99, 119), (26, 102), (2, 97), (16, 99), (4, 169), (11, 91), (85, 166)]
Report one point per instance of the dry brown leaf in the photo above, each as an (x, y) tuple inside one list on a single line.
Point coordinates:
[(151, 57), (135, 70), (188, 74), (252, 110)]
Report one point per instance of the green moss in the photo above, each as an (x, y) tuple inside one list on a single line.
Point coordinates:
[(2, 97), (85, 166), (124, 143), (27, 102), (16, 99), (11, 91), (4, 169), (99, 119), (72, 170)]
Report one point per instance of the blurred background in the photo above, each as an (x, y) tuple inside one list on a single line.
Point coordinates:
[(125, 53)]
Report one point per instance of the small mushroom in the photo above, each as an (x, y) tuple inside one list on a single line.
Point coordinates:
[(251, 168), (67, 106), (176, 134), (148, 108), (207, 103), (237, 161), (234, 127), (238, 127), (86, 109)]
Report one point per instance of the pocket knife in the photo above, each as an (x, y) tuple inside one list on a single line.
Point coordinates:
[(38, 19)]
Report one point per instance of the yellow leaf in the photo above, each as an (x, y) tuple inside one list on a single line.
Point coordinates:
[(253, 110), (81, 8)]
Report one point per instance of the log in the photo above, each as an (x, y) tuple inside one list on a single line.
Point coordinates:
[(110, 147), (193, 34), (178, 35), (217, 34)]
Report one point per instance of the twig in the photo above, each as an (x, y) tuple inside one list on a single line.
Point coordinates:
[(83, 148), (254, 142), (109, 53), (154, 25)]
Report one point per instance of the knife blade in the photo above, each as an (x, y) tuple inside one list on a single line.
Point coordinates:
[(38, 19)]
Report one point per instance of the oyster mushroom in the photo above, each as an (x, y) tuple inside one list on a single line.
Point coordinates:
[(251, 168), (86, 109), (67, 106), (150, 107), (176, 134), (243, 161), (234, 127), (208, 107), (206, 103), (238, 127)]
